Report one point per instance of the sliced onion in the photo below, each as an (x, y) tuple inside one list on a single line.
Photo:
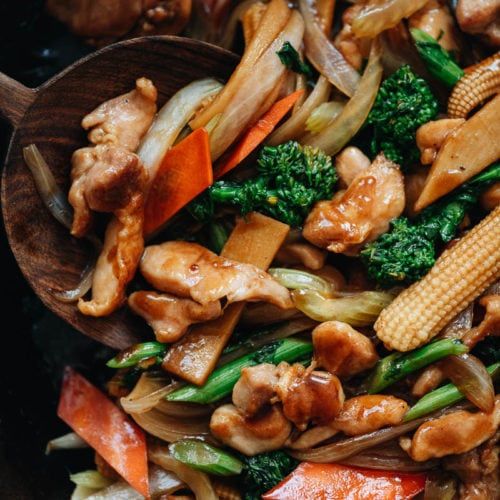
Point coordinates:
[(440, 488), (227, 39), (377, 16), (459, 324), (161, 482), (294, 127), (312, 437), (81, 289), (323, 115), (323, 54), (70, 441), (198, 482), (263, 313), (254, 89), (339, 132), (346, 448), (469, 374), (294, 279), (171, 119), (359, 309), (52, 195)]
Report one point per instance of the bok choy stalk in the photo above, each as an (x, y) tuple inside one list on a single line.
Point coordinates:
[(294, 279), (222, 380), (136, 353), (397, 366), (442, 397)]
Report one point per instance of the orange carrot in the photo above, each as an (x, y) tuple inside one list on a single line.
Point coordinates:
[(312, 480), (185, 171), (256, 134), (106, 428)]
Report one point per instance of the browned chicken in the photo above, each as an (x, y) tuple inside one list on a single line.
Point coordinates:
[(125, 119), (362, 213), (170, 316), (104, 179), (364, 414), (436, 19), (431, 136), (250, 435), (117, 263), (303, 253), (457, 432), (341, 349), (353, 49), (350, 163), (481, 17), (478, 470), (308, 396), (190, 270)]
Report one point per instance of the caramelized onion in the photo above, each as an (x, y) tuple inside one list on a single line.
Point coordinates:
[(227, 39), (440, 488), (69, 441), (198, 482), (81, 289), (323, 54), (294, 279), (470, 376)]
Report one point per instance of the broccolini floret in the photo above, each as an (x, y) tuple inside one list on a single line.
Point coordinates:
[(291, 179), (408, 250), (404, 102), (264, 471)]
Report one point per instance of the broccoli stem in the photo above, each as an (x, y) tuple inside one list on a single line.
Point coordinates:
[(136, 353), (397, 366), (221, 382), (206, 458), (218, 236), (438, 61), (442, 397)]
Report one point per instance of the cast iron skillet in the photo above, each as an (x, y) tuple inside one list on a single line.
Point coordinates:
[(49, 116)]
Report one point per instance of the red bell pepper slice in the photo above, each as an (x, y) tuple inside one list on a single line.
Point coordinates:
[(106, 428), (340, 482)]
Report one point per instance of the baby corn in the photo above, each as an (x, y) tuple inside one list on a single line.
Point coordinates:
[(459, 275)]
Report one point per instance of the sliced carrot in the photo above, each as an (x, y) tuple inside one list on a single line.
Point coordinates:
[(256, 134), (185, 171), (106, 428), (337, 482)]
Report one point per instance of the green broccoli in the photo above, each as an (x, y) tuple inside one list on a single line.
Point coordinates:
[(263, 472), (404, 102), (291, 179), (408, 250)]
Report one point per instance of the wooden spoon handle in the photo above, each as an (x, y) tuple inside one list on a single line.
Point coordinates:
[(15, 99)]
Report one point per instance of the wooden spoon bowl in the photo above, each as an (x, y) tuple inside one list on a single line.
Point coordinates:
[(49, 116)]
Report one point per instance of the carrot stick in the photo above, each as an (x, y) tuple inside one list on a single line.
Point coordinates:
[(106, 428), (185, 171), (256, 134), (255, 240)]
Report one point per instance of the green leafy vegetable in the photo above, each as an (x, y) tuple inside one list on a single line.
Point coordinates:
[(290, 180), (404, 102), (408, 250), (290, 58), (439, 62), (397, 366)]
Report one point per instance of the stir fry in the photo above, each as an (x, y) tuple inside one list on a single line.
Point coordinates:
[(315, 245)]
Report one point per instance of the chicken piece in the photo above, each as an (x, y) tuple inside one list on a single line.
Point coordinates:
[(479, 470), (190, 270), (118, 261), (125, 119), (250, 436), (414, 185), (255, 388), (308, 396), (362, 213), (436, 19), (431, 136), (104, 179), (457, 432), (481, 17), (490, 324), (303, 253), (490, 198), (352, 48), (342, 350), (170, 316), (428, 380), (311, 437), (364, 414), (350, 163)]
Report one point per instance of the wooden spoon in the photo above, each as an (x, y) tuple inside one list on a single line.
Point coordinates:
[(49, 116)]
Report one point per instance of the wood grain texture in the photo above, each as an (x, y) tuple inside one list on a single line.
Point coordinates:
[(48, 256)]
